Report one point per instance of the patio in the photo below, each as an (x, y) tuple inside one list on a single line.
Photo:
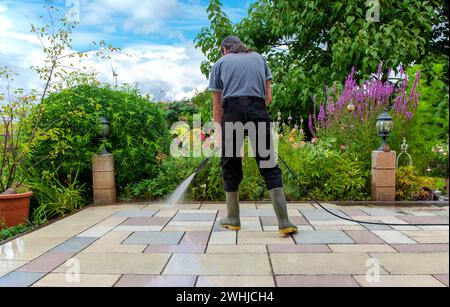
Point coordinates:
[(146, 244)]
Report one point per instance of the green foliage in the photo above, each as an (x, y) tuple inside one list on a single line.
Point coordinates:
[(138, 134), (429, 125), (178, 111), (411, 186), (203, 102), (9, 232), (327, 173), (53, 198), (20, 132), (324, 41), (184, 110), (171, 173)]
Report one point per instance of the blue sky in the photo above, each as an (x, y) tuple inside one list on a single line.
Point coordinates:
[(156, 34)]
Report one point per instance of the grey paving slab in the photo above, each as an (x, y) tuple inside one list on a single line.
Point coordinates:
[(377, 227), (321, 215), (74, 244), (382, 212), (20, 279), (194, 217), (322, 237), (153, 237), (257, 212), (136, 213)]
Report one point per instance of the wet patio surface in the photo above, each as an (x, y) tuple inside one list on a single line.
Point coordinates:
[(182, 246)]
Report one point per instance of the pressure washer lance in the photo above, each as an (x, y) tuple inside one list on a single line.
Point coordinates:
[(204, 162), (343, 217)]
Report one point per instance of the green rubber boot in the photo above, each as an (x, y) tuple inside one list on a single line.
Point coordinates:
[(280, 208), (232, 220)]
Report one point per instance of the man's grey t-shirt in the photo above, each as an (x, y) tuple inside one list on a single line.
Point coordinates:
[(240, 74)]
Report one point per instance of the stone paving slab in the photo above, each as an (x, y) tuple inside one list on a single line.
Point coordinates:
[(82, 280), (147, 237), (382, 212), (20, 279), (7, 266), (400, 281), (320, 215), (119, 263), (322, 237), (420, 248), (303, 248), (413, 263), (135, 213), (235, 281), (194, 217), (393, 237), (155, 245), (146, 221), (75, 244), (156, 281), (218, 264), (442, 278), (319, 263), (363, 237), (316, 281), (47, 262)]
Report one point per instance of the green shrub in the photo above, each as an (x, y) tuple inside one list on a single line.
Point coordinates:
[(138, 136), (429, 126), (411, 186), (52, 199), (328, 174)]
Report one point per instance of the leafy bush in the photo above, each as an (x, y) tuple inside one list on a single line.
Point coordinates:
[(138, 136), (429, 126), (411, 186), (327, 173), (52, 198)]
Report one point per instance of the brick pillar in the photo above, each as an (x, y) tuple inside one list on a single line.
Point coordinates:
[(103, 179), (383, 175)]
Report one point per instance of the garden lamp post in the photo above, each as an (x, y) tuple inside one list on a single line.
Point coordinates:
[(103, 132), (385, 124), (103, 174)]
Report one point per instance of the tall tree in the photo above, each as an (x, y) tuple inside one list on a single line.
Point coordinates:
[(310, 44)]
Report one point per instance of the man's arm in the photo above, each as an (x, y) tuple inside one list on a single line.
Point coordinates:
[(217, 107), (268, 93)]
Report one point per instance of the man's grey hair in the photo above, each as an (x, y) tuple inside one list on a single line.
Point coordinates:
[(234, 45)]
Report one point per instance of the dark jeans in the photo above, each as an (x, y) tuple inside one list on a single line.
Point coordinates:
[(247, 110)]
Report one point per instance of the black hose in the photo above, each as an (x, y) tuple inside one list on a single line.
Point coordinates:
[(342, 217)]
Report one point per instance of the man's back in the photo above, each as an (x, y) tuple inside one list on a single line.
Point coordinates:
[(240, 74)]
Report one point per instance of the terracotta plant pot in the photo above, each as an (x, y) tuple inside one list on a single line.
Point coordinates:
[(14, 208)]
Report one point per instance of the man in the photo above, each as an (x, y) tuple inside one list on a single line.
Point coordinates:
[(240, 82)]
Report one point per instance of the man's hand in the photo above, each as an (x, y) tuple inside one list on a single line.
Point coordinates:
[(268, 93)]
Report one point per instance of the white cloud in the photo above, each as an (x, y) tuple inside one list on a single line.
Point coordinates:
[(155, 67), (137, 16), (171, 69)]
